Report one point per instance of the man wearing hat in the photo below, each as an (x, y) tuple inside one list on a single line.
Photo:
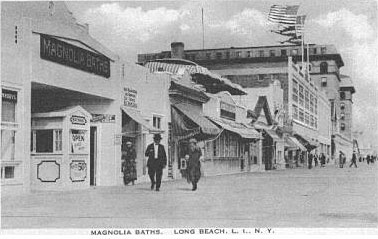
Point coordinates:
[(157, 160)]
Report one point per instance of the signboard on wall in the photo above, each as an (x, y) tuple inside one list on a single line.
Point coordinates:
[(80, 120), (103, 118), (79, 144), (61, 52), (130, 97), (78, 170), (9, 95), (227, 110)]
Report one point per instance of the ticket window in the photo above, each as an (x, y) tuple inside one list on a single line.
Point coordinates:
[(60, 149)]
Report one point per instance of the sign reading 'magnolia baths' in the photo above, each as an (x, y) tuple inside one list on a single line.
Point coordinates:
[(67, 54)]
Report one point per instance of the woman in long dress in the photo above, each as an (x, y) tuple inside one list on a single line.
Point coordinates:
[(129, 164), (194, 164)]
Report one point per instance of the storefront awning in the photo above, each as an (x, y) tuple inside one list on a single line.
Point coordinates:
[(205, 125), (309, 144), (293, 143), (137, 117), (272, 134), (238, 128)]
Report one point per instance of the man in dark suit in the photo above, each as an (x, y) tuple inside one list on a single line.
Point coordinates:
[(157, 160)]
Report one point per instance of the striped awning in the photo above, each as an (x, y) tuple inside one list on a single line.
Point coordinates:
[(238, 128), (187, 122), (137, 117), (194, 70), (293, 143)]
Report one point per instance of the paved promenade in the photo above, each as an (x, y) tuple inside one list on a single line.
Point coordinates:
[(321, 197)]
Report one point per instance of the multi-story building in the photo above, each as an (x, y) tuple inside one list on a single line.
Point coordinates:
[(253, 67)]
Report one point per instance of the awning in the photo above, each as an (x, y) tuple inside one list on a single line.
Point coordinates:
[(238, 128), (291, 142), (272, 134), (309, 144), (205, 125), (137, 117)]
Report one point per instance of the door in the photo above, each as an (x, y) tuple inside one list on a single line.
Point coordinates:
[(93, 156)]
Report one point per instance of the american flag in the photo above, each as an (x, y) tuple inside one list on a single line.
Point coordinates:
[(299, 26), (283, 14)]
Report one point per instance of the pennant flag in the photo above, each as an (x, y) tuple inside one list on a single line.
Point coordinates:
[(283, 14)]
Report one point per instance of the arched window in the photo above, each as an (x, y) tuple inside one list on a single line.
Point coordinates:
[(323, 68)]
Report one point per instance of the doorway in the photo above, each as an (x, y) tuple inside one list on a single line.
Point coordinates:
[(93, 156)]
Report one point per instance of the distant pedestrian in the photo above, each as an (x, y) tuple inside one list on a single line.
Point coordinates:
[(368, 159), (157, 160), (360, 159), (354, 160), (341, 160), (310, 161), (129, 164), (316, 160), (322, 160), (194, 164)]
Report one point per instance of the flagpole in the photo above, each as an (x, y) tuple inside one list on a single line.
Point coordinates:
[(303, 50), (203, 33)]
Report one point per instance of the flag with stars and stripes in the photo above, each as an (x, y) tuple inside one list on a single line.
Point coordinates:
[(281, 14)]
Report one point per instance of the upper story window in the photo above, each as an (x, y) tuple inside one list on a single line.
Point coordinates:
[(261, 53), (8, 105), (295, 91), (228, 55), (342, 116), (208, 56), (314, 51), (272, 53), (283, 52), (342, 126), (156, 122), (324, 81), (323, 50), (323, 68), (238, 54), (342, 95), (294, 52), (301, 95), (219, 55), (249, 54), (342, 106)]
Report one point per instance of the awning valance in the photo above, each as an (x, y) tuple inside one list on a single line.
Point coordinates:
[(238, 128), (137, 117), (205, 125)]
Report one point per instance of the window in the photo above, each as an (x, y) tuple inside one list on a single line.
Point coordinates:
[(307, 119), (307, 101), (314, 51), (324, 81), (324, 68), (47, 141), (342, 95), (323, 50), (316, 122), (311, 103), (8, 105), (156, 122), (342, 116), (301, 115), (228, 55), (283, 53), (295, 112), (261, 53), (342, 126), (238, 54), (312, 121), (219, 55), (261, 77), (249, 54), (316, 105), (208, 56), (7, 144), (342, 106), (7, 172), (295, 91), (272, 53), (301, 95), (294, 52)]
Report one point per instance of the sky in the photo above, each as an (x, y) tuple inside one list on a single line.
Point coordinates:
[(129, 28)]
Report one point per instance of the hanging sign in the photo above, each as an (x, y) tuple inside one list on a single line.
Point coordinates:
[(129, 97)]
